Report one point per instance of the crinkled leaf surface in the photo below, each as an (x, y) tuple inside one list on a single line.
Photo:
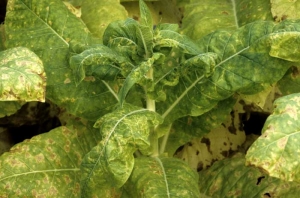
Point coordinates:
[(39, 25), (22, 76), (243, 65), (275, 150), (109, 164), (100, 62), (48, 165), (97, 14), (284, 9), (202, 18), (162, 178), (231, 178)]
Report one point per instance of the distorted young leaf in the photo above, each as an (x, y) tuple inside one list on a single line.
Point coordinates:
[(136, 75), (167, 37), (273, 151), (202, 18), (109, 164), (162, 177), (284, 9), (97, 14), (22, 76), (231, 178), (100, 61), (130, 38), (51, 37), (52, 159), (243, 66)]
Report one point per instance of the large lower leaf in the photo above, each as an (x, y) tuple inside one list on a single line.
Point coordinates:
[(97, 14), (275, 150), (109, 164), (162, 178), (39, 25), (284, 9), (47, 165), (243, 66), (22, 76), (207, 16), (231, 178)]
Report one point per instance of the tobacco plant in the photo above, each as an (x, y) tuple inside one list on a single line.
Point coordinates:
[(133, 91)]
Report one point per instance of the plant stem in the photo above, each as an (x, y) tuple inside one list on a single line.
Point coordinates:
[(153, 134)]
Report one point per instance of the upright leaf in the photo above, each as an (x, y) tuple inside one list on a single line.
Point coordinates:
[(47, 165), (129, 37), (136, 75), (109, 164), (146, 18), (22, 76), (275, 149), (162, 178), (39, 25)]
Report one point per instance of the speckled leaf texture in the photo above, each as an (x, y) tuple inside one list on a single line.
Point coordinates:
[(162, 178), (109, 164), (243, 65), (50, 30), (275, 150), (285, 9), (204, 17), (97, 14), (48, 165), (231, 178), (22, 76)]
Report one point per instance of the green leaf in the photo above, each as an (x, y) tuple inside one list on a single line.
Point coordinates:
[(274, 149), (286, 46), (146, 18), (109, 164), (22, 76), (48, 165), (290, 82), (167, 37), (136, 75), (129, 37), (202, 18), (9, 107), (2, 37), (41, 27), (162, 177), (98, 14), (243, 66), (283, 9), (231, 178), (100, 62)]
